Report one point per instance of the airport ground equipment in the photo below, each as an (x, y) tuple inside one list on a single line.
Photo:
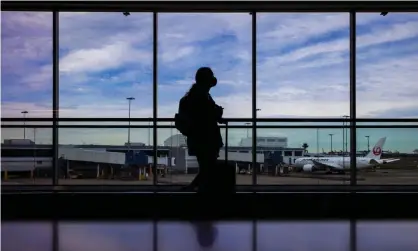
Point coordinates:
[(273, 163), (136, 166)]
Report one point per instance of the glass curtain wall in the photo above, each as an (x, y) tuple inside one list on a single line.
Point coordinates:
[(110, 97)]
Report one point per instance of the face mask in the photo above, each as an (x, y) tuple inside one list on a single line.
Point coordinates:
[(214, 82)]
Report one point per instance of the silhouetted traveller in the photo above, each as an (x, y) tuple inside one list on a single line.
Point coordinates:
[(198, 119)]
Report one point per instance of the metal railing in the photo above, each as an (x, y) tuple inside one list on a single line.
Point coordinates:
[(31, 123)]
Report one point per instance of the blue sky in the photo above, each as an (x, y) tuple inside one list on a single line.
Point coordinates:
[(302, 68), (173, 236)]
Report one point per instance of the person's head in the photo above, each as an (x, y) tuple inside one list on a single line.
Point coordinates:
[(205, 77)]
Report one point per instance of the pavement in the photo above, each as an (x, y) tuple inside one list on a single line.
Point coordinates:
[(380, 177)]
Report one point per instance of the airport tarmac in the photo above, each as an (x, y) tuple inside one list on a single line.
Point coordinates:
[(387, 177)]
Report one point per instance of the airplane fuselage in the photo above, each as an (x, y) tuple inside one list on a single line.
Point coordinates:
[(342, 163), (338, 163)]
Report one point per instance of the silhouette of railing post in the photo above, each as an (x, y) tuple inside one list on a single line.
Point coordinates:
[(226, 142)]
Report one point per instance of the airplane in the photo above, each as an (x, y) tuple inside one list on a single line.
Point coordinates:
[(340, 164)]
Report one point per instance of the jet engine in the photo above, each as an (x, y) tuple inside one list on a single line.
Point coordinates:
[(308, 168)]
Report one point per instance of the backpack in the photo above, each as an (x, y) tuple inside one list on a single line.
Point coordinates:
[(181, 119)]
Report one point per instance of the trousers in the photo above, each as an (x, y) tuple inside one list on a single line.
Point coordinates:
[(204, 180)]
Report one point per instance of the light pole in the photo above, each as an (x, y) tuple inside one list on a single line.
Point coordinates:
[(368, 143), (171, 147), (248, 129), (129, 121), (343, 137), (331, 139), (24, 123), (317, 141), (34, 149)]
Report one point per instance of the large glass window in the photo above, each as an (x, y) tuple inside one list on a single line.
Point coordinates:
[(302, 65), (186, 42), (387, 56), (26, 93), (103, 156), (389, 152), (315, 155), (106, 99), (182, 167), (105, 58), (26, 64), (105, 72), (216, 40), (26, 161)]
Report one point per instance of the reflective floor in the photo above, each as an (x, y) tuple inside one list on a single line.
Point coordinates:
[(185, 236)]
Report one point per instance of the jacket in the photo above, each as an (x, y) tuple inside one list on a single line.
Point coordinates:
[(204, 115)]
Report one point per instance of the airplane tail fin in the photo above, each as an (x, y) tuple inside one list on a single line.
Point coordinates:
[(376, 151)]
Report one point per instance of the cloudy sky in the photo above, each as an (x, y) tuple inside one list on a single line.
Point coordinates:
[(302, 68), (371, 236)]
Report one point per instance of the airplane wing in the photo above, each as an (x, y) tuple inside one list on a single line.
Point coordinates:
[(331, 166), (384, 161)]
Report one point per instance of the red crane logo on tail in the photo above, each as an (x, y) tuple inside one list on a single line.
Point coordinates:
[(377, 151)]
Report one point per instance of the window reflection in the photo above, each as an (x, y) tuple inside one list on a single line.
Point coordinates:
[(36, 236), (387, 235), (188, 236), (303, 235), (105, 236), (213, 235)]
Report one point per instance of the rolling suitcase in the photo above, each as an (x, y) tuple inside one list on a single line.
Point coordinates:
[(222, 176), (226, 178)]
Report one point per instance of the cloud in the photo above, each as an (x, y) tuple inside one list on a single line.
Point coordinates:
[(302, 63)]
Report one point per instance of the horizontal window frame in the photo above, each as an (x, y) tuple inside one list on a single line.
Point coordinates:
[(221, 126), (172, 188), (159, 206), (205, 6), (229, 120)]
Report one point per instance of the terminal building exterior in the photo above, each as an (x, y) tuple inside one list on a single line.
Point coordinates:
[(242, 153), (173, 154), (178, 140), (278, 142)]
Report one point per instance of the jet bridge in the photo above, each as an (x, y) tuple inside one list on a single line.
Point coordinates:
[(92, 155)]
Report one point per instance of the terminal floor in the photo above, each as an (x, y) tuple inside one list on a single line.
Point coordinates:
[(219, 236)]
